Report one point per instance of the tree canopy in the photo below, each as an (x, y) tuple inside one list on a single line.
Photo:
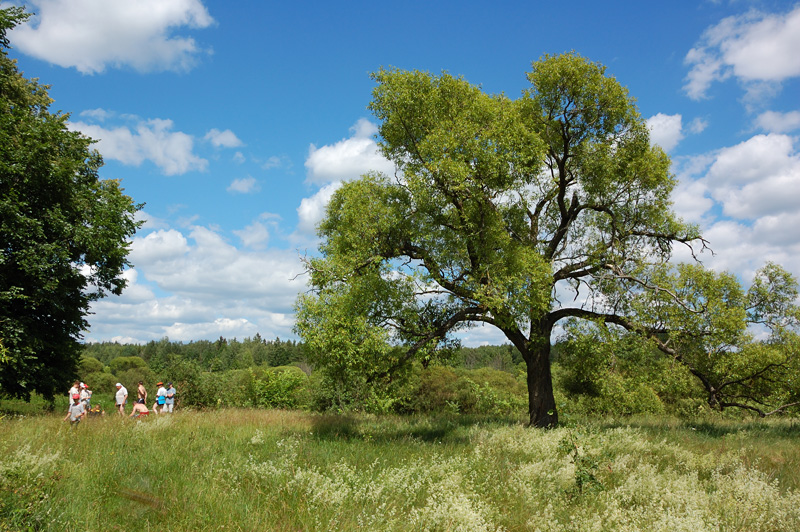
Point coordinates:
[(64, 233), (499, 211)]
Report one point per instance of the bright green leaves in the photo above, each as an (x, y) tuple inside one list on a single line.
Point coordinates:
[(452, 136), (495, 202), (572, 99), (713, 327), (771, 298)]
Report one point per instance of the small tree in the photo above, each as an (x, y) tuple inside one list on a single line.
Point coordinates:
[(742, 346), (499, 204)]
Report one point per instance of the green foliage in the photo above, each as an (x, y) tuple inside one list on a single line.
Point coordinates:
[(281, 387), (499, 357), (483, 391), (101, 382), (122, 364), (709, 319), (601, 373), (131, 377), (499, 201), (64, 233), (586, 466), (220, 355), (89, 365)]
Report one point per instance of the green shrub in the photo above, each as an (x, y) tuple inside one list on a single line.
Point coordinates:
[(100, 382), (121, 364), (88, 365), (281, 387), (433, 389), (483, 391)]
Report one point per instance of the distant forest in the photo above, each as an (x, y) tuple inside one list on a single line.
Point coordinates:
[(227, 354)]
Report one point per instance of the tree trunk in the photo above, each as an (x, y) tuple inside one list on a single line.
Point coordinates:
[(541, 402)]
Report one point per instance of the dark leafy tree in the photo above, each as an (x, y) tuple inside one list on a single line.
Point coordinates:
[(64, 233)]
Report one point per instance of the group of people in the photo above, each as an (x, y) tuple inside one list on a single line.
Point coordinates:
[(165, 399), (80, 402), (81, 397)]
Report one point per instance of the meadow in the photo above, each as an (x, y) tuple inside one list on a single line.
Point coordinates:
[(256, 469)]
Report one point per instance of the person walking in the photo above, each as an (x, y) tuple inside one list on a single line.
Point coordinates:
[(121, 398), (161, 397), (141, 392), (72, 391), (76, 411), (169, 402), (86, 396)]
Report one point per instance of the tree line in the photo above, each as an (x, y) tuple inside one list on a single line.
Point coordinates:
[(594, 372)]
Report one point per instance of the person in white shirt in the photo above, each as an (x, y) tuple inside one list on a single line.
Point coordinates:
[(161, 397), (86, 396), (72, 391), (121, 398)]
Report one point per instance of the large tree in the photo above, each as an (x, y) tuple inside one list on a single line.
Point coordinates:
[(499, 209), (64, 233)]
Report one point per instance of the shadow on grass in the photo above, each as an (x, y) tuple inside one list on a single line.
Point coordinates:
[(452, 429), (37, 406), (711, 428)]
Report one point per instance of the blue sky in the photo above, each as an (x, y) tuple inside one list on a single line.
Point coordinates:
[(235, 121)]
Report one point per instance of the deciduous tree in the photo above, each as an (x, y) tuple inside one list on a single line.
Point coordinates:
[(498, 207), (64, 233), (741, 346)]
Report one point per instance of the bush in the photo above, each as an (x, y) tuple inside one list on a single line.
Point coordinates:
[(100, 382), (89, 365), (281, 387), (121, 364), (490, 392), (131, 377), (483, 391)]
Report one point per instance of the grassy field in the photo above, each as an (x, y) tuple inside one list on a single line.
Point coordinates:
[(289, 471)]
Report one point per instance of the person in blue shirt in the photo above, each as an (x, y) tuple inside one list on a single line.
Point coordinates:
[(169, 402)]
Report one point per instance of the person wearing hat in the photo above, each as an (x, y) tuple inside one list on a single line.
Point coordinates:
[(76, 411), (86, 396), (121, 397), (169, 402), (161, 397)]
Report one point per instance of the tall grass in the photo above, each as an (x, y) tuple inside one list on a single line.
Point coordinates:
[(283, 470)]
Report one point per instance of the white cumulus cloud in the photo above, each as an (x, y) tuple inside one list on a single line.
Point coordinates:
[(758, 49), (192, 284), (152, 140), (665, 130), (312, 210), (255, 235), (223, 139), (245, 185), (776, 122), (758, 177), (349, 158), (92, 35)]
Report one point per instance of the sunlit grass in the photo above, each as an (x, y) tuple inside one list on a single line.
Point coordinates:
[(284, 470)]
